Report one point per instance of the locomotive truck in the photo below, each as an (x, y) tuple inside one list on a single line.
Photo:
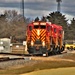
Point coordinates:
[(44, 38)]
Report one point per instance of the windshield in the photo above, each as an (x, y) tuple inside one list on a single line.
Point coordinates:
[(39, 26), (36, 26), (42, 26)]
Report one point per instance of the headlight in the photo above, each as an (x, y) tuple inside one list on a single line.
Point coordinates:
[(32, 43), (38, 32), (43, 43)]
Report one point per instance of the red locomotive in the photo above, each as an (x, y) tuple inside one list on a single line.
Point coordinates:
[(44, 38)]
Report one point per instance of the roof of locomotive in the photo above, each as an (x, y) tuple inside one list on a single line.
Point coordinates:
[(39, 23), (45, 23), (57, 26)]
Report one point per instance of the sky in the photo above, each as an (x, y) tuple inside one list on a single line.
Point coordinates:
[(34, 8)]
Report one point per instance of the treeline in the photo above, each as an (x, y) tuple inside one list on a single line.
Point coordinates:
[(13, 25), (60, 19)]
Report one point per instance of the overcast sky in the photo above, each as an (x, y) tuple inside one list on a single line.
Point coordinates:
[(34, 8)]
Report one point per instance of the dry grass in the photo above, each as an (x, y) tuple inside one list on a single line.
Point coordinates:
[(59, 71)]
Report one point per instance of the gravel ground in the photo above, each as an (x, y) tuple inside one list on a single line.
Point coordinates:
[(14, 64)]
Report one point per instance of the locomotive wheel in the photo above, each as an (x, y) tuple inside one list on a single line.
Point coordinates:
[(58, 50), (54, 51), (46, 54), (62, 49)]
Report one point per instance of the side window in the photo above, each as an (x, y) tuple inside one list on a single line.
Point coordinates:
[(30, 28), (55, 30), (48, 28), (60, 31)]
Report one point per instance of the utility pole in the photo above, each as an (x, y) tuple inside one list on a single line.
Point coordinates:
[(23, 8), (58, 6)]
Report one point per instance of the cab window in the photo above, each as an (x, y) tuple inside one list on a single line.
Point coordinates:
[(60, 31), (48, 28), (55, 30), (30, 28)]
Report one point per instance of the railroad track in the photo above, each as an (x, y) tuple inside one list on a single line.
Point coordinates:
[(10, 56), (9, 59), (15, 54), (24, 55)]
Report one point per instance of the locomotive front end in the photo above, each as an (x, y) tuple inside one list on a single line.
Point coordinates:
[(37, 38)]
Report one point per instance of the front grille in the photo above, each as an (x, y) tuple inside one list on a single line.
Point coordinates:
[(41, 36), (38, 42)]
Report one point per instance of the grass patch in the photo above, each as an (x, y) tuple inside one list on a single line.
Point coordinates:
[(59, 71), (38, 66)]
